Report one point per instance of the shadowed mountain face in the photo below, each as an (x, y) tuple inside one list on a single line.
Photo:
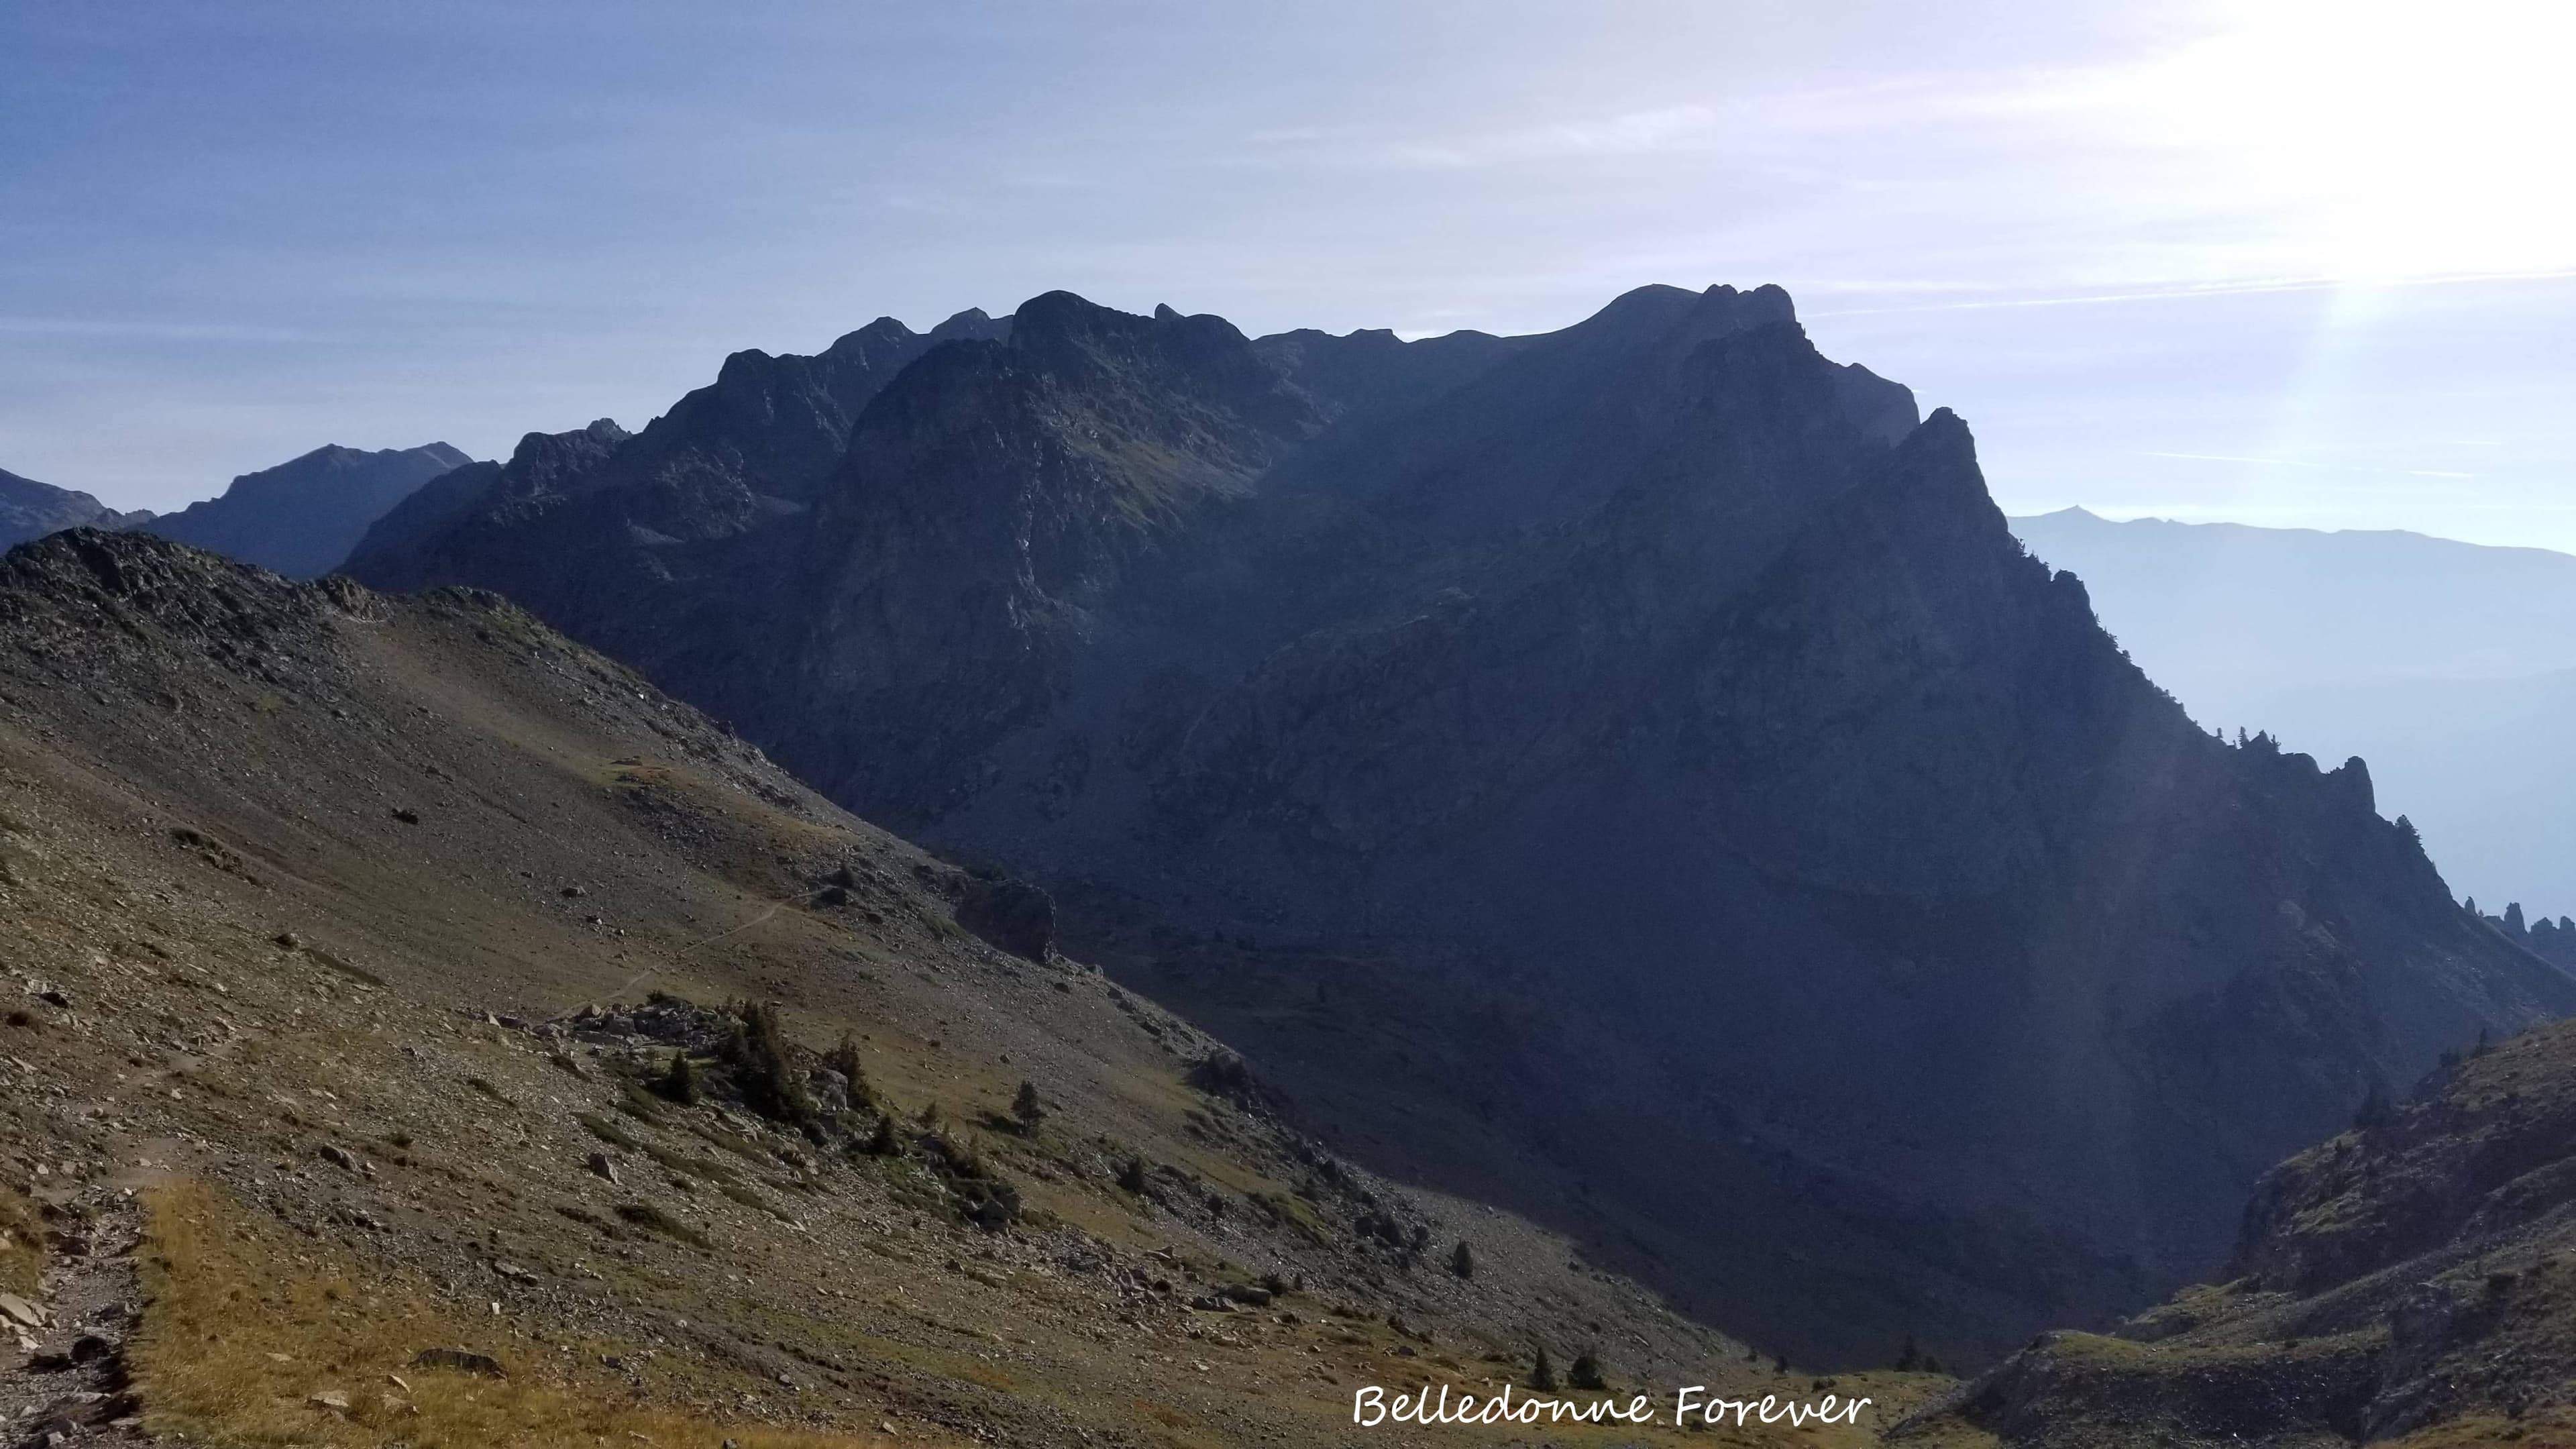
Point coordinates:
[(301, 517), (1630, 773), (29, 509), (605, 527)]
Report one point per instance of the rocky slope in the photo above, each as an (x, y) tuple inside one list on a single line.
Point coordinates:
[(349, 944), (303, 516), (1630, 773), (2410, 1281), (29, 509)]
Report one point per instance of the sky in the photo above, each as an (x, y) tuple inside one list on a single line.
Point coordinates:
[(2271, 261)]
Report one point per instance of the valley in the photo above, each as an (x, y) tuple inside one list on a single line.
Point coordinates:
[(350, 942)]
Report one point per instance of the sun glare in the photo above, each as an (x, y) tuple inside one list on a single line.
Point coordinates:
[(2385, 141)]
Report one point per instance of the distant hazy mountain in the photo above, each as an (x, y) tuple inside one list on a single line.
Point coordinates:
[(2486, 768), (29, 509), (2450, 667), (302, 517), (2223, 614)]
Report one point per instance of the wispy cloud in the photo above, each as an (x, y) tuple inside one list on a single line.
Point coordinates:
[(148, 330), (2309, 463), (2178, 292)]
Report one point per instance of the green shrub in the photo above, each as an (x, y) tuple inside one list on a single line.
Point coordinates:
[(884, 1142), (1585, 1373), (764, 1064), (680, 1083), (845, 1060)]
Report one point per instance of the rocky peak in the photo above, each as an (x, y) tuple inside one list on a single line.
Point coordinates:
[(549, 463), (972, 325), (303, 516)]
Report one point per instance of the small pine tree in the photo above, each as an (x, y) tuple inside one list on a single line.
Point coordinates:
[(680, 1083), (1909, 1359), (764, 1063), (1131, 1174), (1585, 1373), (1026, 1109), (2375, 1110), (2485, 1044), (845, 1060), (1462, 1261), (1543, 1374)]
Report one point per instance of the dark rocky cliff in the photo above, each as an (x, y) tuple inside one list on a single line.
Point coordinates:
[(1631, 772)]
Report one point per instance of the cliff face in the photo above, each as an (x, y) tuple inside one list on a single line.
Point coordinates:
[(1631, 772), (303, 516)]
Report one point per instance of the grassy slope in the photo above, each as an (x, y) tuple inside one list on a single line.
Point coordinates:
[(198, 812), (2409, 1282)]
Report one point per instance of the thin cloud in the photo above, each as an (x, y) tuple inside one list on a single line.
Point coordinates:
[(2308, 463)]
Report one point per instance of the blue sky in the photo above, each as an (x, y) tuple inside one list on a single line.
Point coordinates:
[(2276, 261)]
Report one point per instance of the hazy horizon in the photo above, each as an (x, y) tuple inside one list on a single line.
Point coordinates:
[(2283, 264)]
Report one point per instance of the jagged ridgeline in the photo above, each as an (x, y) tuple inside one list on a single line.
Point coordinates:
[(1630, 774)]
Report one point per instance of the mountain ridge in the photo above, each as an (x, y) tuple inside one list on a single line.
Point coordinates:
[(1649, 679), (30, 510), (301, 517)]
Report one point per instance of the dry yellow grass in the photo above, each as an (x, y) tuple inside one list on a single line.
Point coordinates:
[(2539, 1429), (248, 1328), (22, 1246)]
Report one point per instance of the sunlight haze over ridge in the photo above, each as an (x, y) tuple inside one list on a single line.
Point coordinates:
[(2285, 262)]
